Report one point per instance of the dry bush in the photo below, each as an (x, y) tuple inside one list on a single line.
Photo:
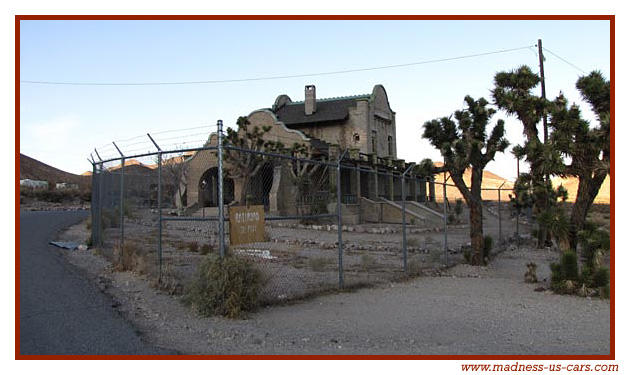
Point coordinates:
[(228, 287), (169, 282), (318, 264), (205, 249), (132, 258), (368, 262)]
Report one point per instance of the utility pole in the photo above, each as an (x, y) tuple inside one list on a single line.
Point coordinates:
[(541, 59)]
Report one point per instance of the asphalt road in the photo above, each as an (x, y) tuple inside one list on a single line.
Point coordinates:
[(61, 311)]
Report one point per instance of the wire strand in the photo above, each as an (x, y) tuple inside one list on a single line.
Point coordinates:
[(272, 77), (546, 50)]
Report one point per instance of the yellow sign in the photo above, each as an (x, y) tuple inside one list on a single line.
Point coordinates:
[(247, 224)]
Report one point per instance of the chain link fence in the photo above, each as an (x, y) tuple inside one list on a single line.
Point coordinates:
[(328, 222)]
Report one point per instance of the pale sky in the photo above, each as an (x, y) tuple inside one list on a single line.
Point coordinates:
[(62, 124)]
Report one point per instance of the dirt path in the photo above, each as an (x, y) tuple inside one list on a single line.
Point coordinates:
[(469, 310)]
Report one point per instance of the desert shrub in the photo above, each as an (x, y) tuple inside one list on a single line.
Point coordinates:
[(565, 275), (368, 262), (530, 274), (601, 277), (414, 267), (205, 249), (586, 276), (319, 207), (593, 239), (227, 287), (467, 257), (488, 243), (604, 292), (110, 218), (414, 242), (569, 265), (130, 258), (556, 273), (169, 282), (451, 218), (128, 209), (85, 195), (459, 206), (318, 264), (55, 196)]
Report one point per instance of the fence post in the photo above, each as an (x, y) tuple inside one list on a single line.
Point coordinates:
[(159, 207), (100, 205), (220, 187), (445, 223), (121, 202), (339, 214), (404, 217), (93, 207), (500, 221)]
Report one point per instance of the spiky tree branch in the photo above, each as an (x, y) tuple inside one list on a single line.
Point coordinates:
[(465, 145)]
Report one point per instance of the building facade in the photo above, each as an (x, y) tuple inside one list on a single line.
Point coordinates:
[(361, 128)]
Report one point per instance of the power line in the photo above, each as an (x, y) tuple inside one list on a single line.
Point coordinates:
[(272, 77), (546, 50)]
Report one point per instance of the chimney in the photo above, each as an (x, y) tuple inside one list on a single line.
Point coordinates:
[(310, 103)]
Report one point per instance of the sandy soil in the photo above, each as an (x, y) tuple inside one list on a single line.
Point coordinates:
[(462, 310)]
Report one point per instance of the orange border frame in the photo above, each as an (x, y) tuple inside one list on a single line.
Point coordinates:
[(610, 18)]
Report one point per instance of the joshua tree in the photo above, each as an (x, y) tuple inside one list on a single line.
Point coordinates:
[(304, 174), (466, 145), (587, 147), (513, 94), (247, 160), (175, 176)]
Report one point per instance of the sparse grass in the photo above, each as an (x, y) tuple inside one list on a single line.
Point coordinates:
[(436, 256), (414, 267), (206, 249), (169, 282), (131, 258), (412, 241), (368, 262), (318, 264), (110, 218)]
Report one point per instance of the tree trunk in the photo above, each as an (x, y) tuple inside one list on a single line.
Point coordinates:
[(472, 197), (476, 231), (588, 188), (245, 190), (476, 216)]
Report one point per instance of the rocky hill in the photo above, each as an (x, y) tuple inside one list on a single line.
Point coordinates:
[(36, 170)]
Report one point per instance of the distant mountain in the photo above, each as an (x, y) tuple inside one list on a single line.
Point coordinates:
[(571, 184), (489, 181), (36, 170), (493, 181)]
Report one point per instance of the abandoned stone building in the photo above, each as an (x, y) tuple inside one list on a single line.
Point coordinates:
[(361, 128)]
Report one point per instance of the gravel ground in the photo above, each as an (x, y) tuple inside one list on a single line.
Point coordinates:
[(465, 310)]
